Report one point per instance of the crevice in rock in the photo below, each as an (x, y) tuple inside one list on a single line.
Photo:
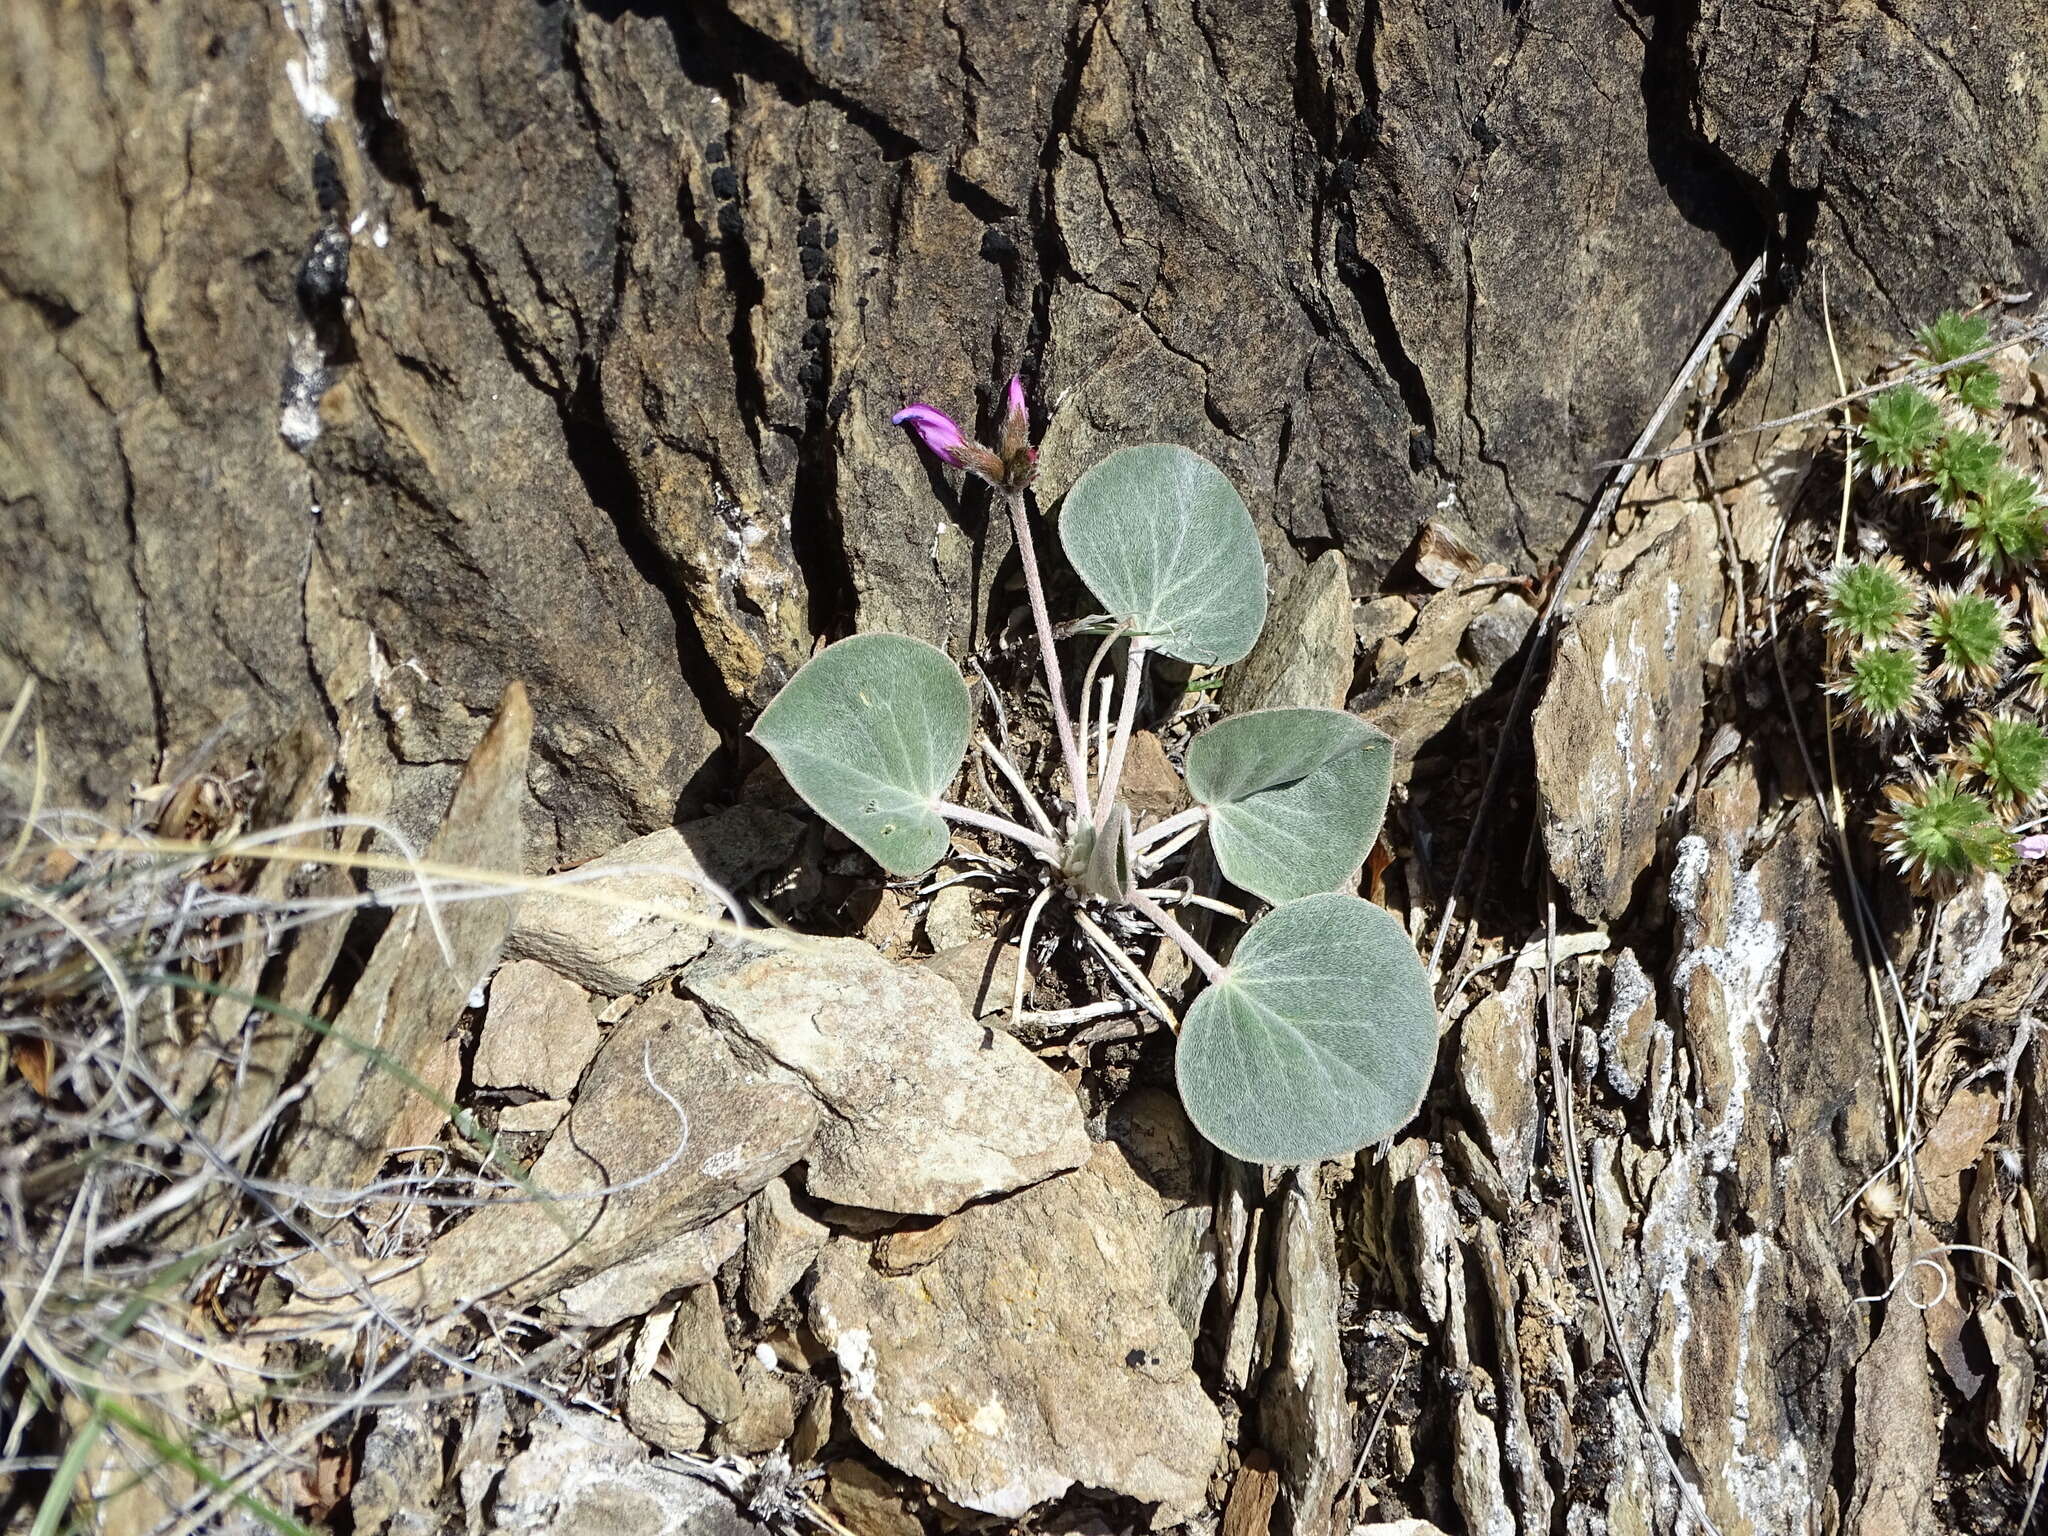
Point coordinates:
[(600, 463), (817, 535)]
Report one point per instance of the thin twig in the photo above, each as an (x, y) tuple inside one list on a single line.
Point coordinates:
[(1164, 921), (1048, 647)]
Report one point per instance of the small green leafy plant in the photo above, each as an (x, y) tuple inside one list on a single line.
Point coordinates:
[(1318, 1036), (1938, 672)]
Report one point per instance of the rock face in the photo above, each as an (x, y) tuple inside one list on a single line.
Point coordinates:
[(925, 1109), (1038, 1350), (540, 1032), (360, 363), (585, 1476)]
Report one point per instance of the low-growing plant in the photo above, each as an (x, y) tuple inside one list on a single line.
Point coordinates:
[(1938, 673), (1317, 1036)]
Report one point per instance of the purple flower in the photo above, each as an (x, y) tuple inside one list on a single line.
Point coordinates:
[(2034, 847), (938, 431)]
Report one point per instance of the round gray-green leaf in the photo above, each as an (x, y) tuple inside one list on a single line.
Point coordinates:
[(1162, 539), (1320, 1039), (871, 732), (1295, 797)]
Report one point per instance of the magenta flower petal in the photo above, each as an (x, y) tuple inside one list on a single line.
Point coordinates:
[(938, 431), (1016, 392)]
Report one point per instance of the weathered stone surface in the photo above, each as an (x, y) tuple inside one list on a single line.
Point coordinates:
[(1036, 1352), (612, 949), (583, 1475), (1972, 939), (926, 1109), (399, 1478), (746, 1122), (1620, 717), (766, 1417), (1497, 1070), (412, 990), (782, 1243), (700, 1356), (983, 972), (1304, 655), (1151, 786), (1304, 1419), (636, 1286), (540, 1032), (1497, 633), (657, 1414)]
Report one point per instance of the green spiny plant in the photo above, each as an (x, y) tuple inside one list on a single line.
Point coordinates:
[(1955, 335), (1871, 602), (1961, 466), (2008, 755), (1938, 833), (1899, 428), (2003, 527), (1318, 1036), (1883, 686), (1971, 635)]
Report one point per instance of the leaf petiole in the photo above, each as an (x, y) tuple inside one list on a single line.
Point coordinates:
[(1039, 844)]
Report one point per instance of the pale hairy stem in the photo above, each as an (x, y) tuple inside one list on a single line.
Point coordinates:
[(1165, 922), (1129, 969), (1022, 992), (1127, 714), (1171, 896), (1177, 823), (1048, 648), (1009, 771), (1043, 846), (1087, 687)]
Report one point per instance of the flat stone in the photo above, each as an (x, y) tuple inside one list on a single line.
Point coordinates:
[(1038, 1351), (1382, 618), (1303, 1417), (612, 950), (1497, 1071), (782, 1244), (927, 1109), (747, 1121), (767, 1415), (1620, 720), (700, 1356), (950, 921), (1151, 786), (636, 1287), (1443, 556), (583, 1475), (867, 1503), (909, 1249), (540, 1032), (1304, 655), (533, 1117), (1973, 929), (1497, 631), (983, 971), (658, 1414)]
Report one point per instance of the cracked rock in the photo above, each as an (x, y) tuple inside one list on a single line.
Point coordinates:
[(540, 1032), (612, 949), (782, 1243), (1037, 1351), (583, 1475), (925, 1109)]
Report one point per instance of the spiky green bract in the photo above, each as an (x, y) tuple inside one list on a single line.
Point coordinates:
[(1972, 635), (2009, 756), (1899, 428), (1976, 386), (1954, 335), (1883, 686), (1939, 833), (1961, 466), (2034, 675), (2004, 527), (1871, 602)]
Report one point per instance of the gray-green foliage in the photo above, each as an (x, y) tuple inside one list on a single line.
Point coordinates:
[(1295, 797), (1319, 1042), (870, 732), (1162, 538), (1319, 1036)]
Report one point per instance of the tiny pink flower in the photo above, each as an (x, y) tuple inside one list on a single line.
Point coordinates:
[(938, 431), (2034, 847)]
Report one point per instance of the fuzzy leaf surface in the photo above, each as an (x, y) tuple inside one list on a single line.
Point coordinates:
[(1320, 1039), (1295, 797), (871, 731), (1162, 538)]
